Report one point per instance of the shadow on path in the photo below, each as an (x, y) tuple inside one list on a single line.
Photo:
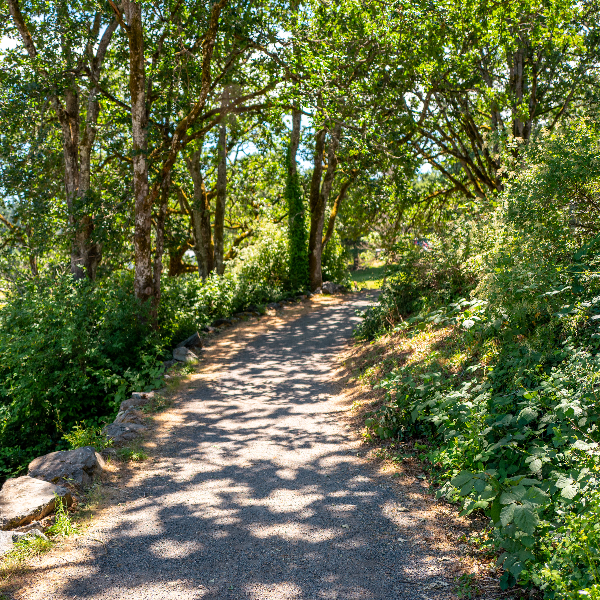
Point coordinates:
[(258, 493)]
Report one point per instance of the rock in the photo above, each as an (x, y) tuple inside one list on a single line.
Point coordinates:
[(185, 355), (274, 306), (6, 542), (8, 538), (169, 363), (317, 291), (130, 415), (222, 322), (25, 499), (19, 536), (137, 399), (193, 341), (120, 433), (81, 466), (332, 288)]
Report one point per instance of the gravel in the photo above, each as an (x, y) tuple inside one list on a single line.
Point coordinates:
[(256, 491)]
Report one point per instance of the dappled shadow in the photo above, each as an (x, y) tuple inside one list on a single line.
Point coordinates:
[(258, 493)]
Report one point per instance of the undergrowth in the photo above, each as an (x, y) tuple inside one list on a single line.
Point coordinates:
[(510, 399)]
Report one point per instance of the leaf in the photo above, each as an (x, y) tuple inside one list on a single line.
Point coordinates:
[(507, 514), (569, 492), (462, 478), (528, 414), (525, 518), (535, 466)]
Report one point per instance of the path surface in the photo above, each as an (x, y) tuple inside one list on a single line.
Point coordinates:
[(256, 492)]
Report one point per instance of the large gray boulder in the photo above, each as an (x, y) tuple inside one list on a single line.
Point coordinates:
[(185, 355), (80, 466), (137, 399), (131, 415), (25, 499), (332, 288), (121, 433), (194, 341)]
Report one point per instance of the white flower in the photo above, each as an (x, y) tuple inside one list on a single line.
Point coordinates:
[(468, 323)]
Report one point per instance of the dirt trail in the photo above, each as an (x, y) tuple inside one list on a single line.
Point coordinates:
[(256, 490)]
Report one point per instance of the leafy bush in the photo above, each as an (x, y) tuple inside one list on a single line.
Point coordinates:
[(422, 279), (67, 350), (258, 275), (517, 417), (82, 436), (334, 261)]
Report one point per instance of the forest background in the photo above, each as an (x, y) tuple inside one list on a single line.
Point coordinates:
[(165, 164)]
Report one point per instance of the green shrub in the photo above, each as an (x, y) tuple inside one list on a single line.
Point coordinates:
[(68, 350), (334, 261), (517, 421), (82, 436), (421, 280)]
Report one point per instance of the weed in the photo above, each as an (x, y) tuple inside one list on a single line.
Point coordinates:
[(81, 436), (465, 586), (23, 551), (158, 404), (134, 453), (63, 525)]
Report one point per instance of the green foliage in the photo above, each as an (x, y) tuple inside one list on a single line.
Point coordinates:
[(516, 417), (68, 350), (63, 525), (133, 453), (422, 279), (258, 275), (334, 260), (81, 436), (297, 232)]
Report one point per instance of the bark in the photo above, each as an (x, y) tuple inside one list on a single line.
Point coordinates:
[(319, 194), (176, 264), (142, 239), (200, 215), (221, 189), (336, 206), (160, 244), (317, 213), (294, 142)]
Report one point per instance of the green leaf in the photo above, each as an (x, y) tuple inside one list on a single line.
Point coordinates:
[(461, 479), (506, 515), (569, 492), (525, 518)]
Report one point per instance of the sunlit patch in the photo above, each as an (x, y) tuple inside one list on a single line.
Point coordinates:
[(294, 532), (289, 474), (174, 549)]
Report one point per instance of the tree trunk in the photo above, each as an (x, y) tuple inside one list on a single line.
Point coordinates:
[(319, 194), (294, 142), (160, 244), (336, 206), (85, 253), (298, 251), (317, 214), (200, 215), (221, 189), (142, 238)]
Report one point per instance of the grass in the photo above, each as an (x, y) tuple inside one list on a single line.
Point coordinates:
[(132, 453), (369, 277), (157, 404)]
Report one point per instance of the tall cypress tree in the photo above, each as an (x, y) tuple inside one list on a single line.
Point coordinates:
[(298, 234)]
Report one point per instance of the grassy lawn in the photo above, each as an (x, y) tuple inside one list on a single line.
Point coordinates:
[(369, 277)]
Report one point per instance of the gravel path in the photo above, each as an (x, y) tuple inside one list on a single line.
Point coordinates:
[(256, 491)]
